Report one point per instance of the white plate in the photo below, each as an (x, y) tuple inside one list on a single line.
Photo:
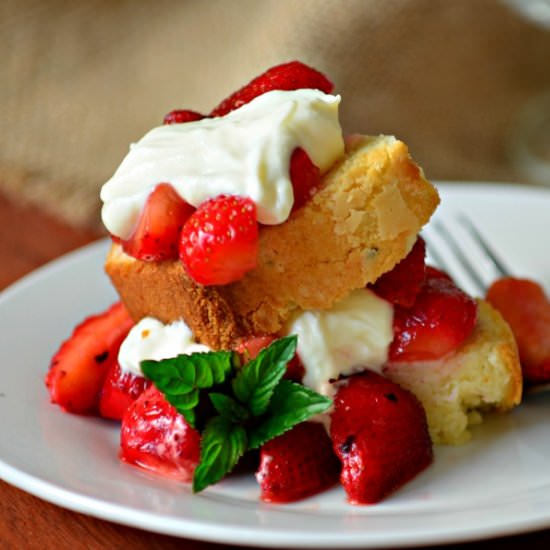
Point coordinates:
[(498, 484)]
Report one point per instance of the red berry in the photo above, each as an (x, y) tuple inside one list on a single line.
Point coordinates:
[(79, 367), (219, 242), (401, 285), (441, 318), (250, 347), (379, 432), (155, 437), (297, 464), (288, 76), (305, 177), (120, 389), (156, 235), (179, 116), (526, 308)]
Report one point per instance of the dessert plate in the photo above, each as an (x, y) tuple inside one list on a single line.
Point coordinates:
[(496, 485)]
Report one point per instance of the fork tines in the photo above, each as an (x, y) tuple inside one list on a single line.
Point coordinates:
[(457, 246)]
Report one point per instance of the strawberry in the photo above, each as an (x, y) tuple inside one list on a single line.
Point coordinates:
[(155, 437), (120, 389), (440, 319), (401, 285), (179, 116), (379, 432), (156, 235), (297, 464), (526, 308), (288, 76), (305, 177), (219, 242), (80, 365), (250, 347)]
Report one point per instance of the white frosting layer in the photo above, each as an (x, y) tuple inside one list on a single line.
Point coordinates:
[(151, 339), (246, 153), (352, 336)]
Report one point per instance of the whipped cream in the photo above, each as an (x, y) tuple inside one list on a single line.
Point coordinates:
[(354, 335), (151, 339), (246, 153)]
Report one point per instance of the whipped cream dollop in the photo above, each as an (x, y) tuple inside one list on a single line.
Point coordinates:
[(246, 152), (151, 339), (352, 336)]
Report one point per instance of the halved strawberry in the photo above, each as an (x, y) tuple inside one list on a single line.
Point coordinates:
[(288, 76), (401, 285), (440, 319), (219, 242), (80, 365), (179, 116), (155, 437), (120, 389), (305, 177), (156, 235), (379, 432), (250, 347), (297, 464), (526, 308)]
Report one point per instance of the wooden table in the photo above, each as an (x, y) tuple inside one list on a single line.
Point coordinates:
[(29, 238)]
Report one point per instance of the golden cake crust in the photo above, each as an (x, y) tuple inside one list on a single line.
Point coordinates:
[(359, 225), (483, 374)]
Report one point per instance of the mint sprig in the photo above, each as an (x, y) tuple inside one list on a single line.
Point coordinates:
[(241, 408), (181, 378)]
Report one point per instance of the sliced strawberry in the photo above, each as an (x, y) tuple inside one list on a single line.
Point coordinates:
[(526, 308), (441, 318), (297, 464), (401, 285), (179, 116), (379, 432), (156, 235), (155, 437), (219, 242), (80, 365), (249, 348), (120, 389), (305, 177), (288, 76)]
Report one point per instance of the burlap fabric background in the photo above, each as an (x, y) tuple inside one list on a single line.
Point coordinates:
[(80, 80)]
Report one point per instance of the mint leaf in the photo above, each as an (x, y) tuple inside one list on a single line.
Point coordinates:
[(222, 444), (180, 378), (255, 382), (228, 407), (290, 404), (183, 373)]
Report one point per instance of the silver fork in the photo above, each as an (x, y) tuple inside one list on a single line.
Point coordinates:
[(458, 247), (473, 269)]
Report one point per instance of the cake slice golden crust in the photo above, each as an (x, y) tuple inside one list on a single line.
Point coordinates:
[(483, 375), (359, 225)]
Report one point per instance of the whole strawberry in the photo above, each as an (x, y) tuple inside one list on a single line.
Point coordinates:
[(526, 308), (155, 437), (379, 432), (219, 241), (297, 464), (288, 76)]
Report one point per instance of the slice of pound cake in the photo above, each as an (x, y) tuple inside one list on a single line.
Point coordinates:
[(358, 225)]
